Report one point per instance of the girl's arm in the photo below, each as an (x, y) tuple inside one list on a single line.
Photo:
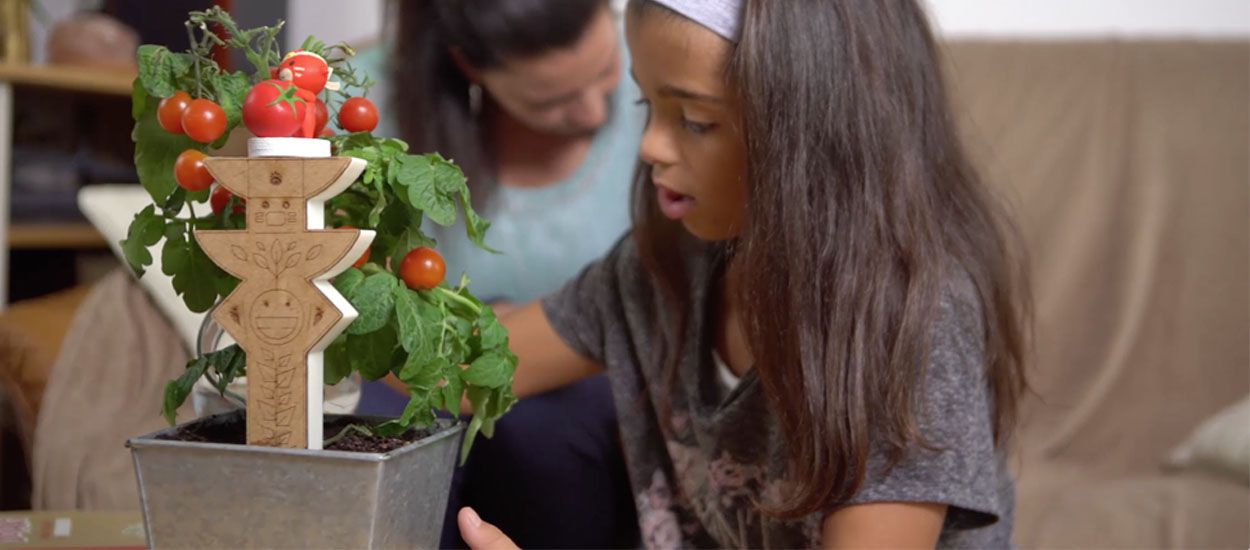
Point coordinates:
[(884, 525), (544, 363)]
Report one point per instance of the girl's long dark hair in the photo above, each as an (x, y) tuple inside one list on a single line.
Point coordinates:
[(862, 205), (431, 93)]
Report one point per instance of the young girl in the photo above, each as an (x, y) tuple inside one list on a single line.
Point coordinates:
[(814, 333)]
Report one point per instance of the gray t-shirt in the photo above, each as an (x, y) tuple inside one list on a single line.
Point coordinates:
[(697, 483)]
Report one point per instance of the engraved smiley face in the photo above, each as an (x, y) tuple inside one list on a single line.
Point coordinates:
[(276, 316)]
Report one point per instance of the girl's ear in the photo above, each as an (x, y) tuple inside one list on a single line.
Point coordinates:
[(470, 72)]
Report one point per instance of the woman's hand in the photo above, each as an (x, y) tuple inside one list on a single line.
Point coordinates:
[(480, 535)]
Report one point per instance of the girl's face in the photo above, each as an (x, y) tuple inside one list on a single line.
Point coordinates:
[(693, 142)]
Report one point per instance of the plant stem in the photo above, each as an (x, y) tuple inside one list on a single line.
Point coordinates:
[(342, 433), (455, 297), (199, 86)]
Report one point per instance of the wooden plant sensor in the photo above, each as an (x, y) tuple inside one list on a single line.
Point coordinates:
[(285, 311)]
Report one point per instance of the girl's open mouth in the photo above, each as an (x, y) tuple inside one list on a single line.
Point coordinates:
[(673, 205)]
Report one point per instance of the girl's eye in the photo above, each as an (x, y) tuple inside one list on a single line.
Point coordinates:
[(696, 127)]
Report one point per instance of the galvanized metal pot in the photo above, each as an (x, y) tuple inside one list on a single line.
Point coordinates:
[(216, 495)]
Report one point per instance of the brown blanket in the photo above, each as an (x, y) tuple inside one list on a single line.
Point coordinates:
[(106, 386)]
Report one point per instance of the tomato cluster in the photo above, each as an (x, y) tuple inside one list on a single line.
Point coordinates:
[(285, 105), (279, 107)]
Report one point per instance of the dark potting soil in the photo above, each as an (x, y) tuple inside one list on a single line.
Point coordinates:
[(232, 430)]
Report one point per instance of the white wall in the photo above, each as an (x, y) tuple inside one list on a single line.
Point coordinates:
[(356, 22), (330, 21), (1084, 18)]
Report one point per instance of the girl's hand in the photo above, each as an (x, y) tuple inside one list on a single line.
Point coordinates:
[(480, 535)]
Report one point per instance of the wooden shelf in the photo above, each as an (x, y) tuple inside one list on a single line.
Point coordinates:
[(55, 235), (79, 79)]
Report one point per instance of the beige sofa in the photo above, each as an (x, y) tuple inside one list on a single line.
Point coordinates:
[(1128, 165)]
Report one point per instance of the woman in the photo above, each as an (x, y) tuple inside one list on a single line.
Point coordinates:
[(815, 333), (527, 97)]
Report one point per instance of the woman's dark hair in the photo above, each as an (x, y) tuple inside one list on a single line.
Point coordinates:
[(431, 92), (862, 207)]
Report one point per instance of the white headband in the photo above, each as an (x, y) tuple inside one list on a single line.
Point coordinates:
[(723, 17)]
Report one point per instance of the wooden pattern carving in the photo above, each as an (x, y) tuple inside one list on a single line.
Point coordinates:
[(284, 312)]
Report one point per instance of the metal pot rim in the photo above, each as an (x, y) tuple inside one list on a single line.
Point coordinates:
[(450, 428)]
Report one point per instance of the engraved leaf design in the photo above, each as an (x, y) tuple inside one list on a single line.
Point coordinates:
[(238, 252), (314, 252)]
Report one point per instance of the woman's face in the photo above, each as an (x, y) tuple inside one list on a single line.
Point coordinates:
[(693, 141), (562, 92)]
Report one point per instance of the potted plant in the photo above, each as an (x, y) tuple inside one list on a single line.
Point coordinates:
[(222, 481)]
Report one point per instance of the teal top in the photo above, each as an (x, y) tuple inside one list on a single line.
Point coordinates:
[(546, 234)]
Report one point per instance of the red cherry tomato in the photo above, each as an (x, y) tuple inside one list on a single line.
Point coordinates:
[(219, 199), (422, 269), (190, 172), (306, 69), (358, 114), (273, 109), (323, 117), (169, 111), (204, 121)]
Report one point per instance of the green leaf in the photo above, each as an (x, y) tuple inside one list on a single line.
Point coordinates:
[(336, 360), (161, 69), (226, 283), (347, 282), (419, 322), (147, 227), (175, 201), (194, 274), (417, 414), (175, 255), (198, 196), (452, 390), (145, 230), (375, 303), (229, 363), (155, 153), (422, 377), (375, 214), (138, 99), (137, 256), (501, 401), (475, 226), (177, 390), (229, 89), (416, 179), (370, 354), (491, 370), (492, 334)]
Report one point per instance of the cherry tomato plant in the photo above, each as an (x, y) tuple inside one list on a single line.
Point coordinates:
[(436, 337)]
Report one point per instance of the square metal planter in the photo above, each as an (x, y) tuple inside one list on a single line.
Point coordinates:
[(217, 495)]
